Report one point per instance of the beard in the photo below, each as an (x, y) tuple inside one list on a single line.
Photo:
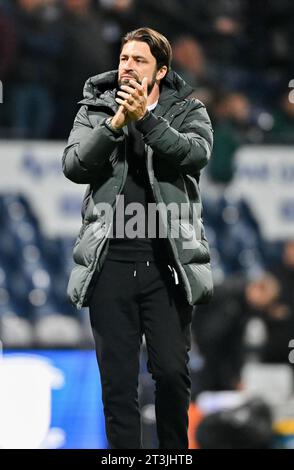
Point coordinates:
[(125, 81)]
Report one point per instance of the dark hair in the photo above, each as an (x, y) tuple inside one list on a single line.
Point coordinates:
[(159, 45)]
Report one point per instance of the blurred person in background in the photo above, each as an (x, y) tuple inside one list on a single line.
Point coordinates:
[(224, 35), (280, 320), (120, 16), (35, 71), (283, 122), (142, 284), (7, 57), (218, 331), (284, 271), (189, 59), (220, 328), (172, 17), (270, 38), (231, 116), (268, 300), (227, 40), (86, 52), (168, 16), (7, 43), (190, 62)]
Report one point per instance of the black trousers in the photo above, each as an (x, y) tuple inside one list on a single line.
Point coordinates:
[(129, 299)]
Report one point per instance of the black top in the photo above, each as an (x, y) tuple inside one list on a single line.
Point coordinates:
[(136, 189)]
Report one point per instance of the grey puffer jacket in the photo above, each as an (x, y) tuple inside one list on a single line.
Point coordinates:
[(178, 142)]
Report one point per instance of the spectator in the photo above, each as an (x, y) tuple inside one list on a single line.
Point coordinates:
[(231, 114), (266, 300), (35, 69), (218, 330), (7, 44), (120, 16), (269, 31), (225, 39), (191, 63), (7, 57), (86, 53), (284, 271), (283, 122)]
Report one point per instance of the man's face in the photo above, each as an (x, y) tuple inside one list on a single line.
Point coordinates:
[(137, 62), (263, 292), (288, 254)]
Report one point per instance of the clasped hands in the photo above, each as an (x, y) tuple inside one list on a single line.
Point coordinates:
[(132, 99)]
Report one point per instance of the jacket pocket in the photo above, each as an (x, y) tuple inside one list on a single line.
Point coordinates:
[(91, 236)]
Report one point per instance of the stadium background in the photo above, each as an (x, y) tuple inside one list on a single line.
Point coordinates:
[(239, 56)]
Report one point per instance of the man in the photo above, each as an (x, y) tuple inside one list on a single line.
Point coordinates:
[(139, 136)]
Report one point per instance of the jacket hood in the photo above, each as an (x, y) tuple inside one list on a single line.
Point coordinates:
[(173, 87)]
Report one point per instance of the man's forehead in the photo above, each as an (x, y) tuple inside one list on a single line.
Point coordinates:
[(137, 48)]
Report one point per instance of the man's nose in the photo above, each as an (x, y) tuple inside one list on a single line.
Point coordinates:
[(129, 64)]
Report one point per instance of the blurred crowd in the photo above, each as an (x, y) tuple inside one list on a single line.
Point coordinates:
[(237, 54)]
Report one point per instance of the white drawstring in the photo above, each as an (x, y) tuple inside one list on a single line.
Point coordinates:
[(135, 271), (174, 274)]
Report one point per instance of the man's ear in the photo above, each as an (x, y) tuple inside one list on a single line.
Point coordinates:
[(161, 73)]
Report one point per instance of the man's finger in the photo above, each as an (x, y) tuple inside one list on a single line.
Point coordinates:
[(145, 85), (138, 86), (125, 104), (121, 110), (125, 95), (132, 90)]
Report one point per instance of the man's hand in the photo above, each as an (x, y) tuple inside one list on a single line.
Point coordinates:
[(120, 119), (133, 99)]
